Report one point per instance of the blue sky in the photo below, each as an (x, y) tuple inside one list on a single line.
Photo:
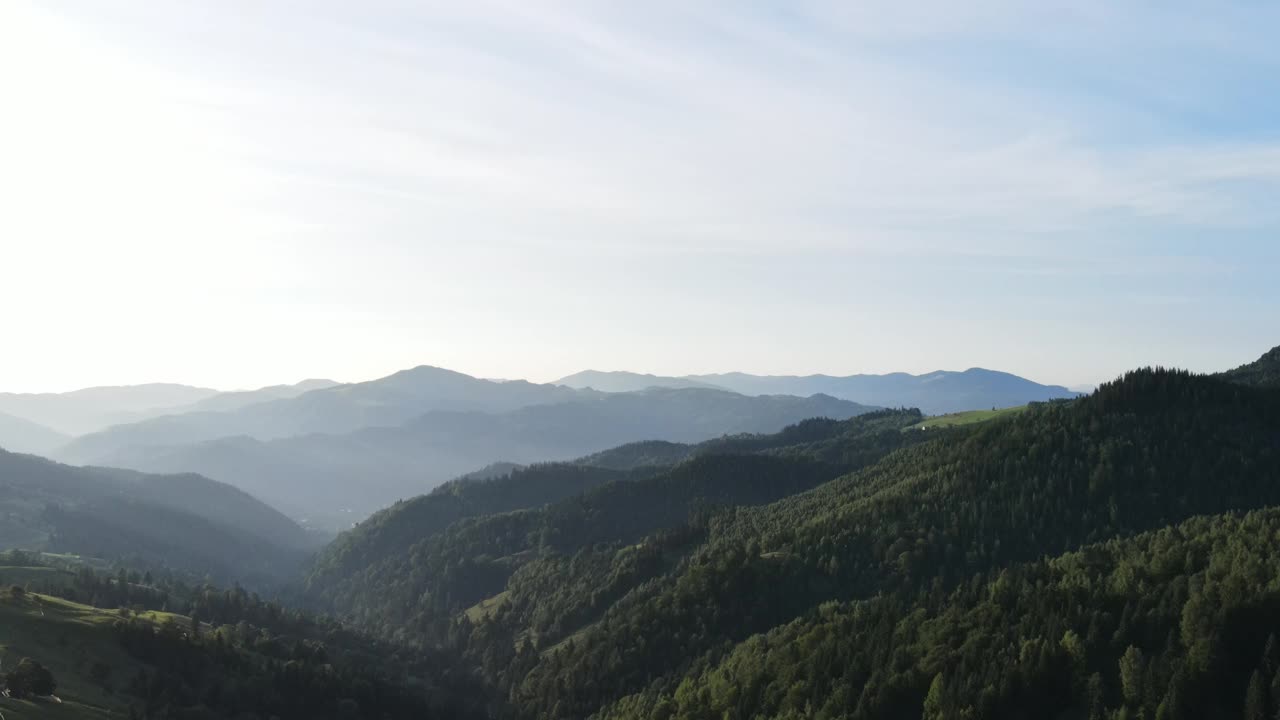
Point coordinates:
[(242, 193)]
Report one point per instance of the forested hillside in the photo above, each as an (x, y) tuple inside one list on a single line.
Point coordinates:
[(1176, 623), (410, 521), (1151, 449)]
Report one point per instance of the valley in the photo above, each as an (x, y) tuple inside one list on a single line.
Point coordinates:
[(502, 360)]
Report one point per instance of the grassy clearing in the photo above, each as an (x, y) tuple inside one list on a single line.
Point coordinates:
[(485, 608), (68, 638), (966, 418)]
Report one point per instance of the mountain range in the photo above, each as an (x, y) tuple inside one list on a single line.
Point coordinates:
[(934, 393)]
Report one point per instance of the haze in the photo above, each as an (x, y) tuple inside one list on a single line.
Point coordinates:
[(235, 194)]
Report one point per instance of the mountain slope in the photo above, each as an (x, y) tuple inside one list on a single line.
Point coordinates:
[(934, 393), (19, 435), (91, 409), (1265, 371), (317, 476), (622, 381), (184, 522)]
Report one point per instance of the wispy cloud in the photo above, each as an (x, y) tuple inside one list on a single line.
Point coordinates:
[(317, 142)]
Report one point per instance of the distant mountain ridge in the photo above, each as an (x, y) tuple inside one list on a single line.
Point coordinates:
[(82, 411), (236, 399), (625, 381), (934, 393)]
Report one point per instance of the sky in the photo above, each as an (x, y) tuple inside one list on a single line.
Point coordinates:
[(235, 193)]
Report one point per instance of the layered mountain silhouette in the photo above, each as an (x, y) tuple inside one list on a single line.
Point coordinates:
[(323, 473), (388, 401), (331, 452)]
